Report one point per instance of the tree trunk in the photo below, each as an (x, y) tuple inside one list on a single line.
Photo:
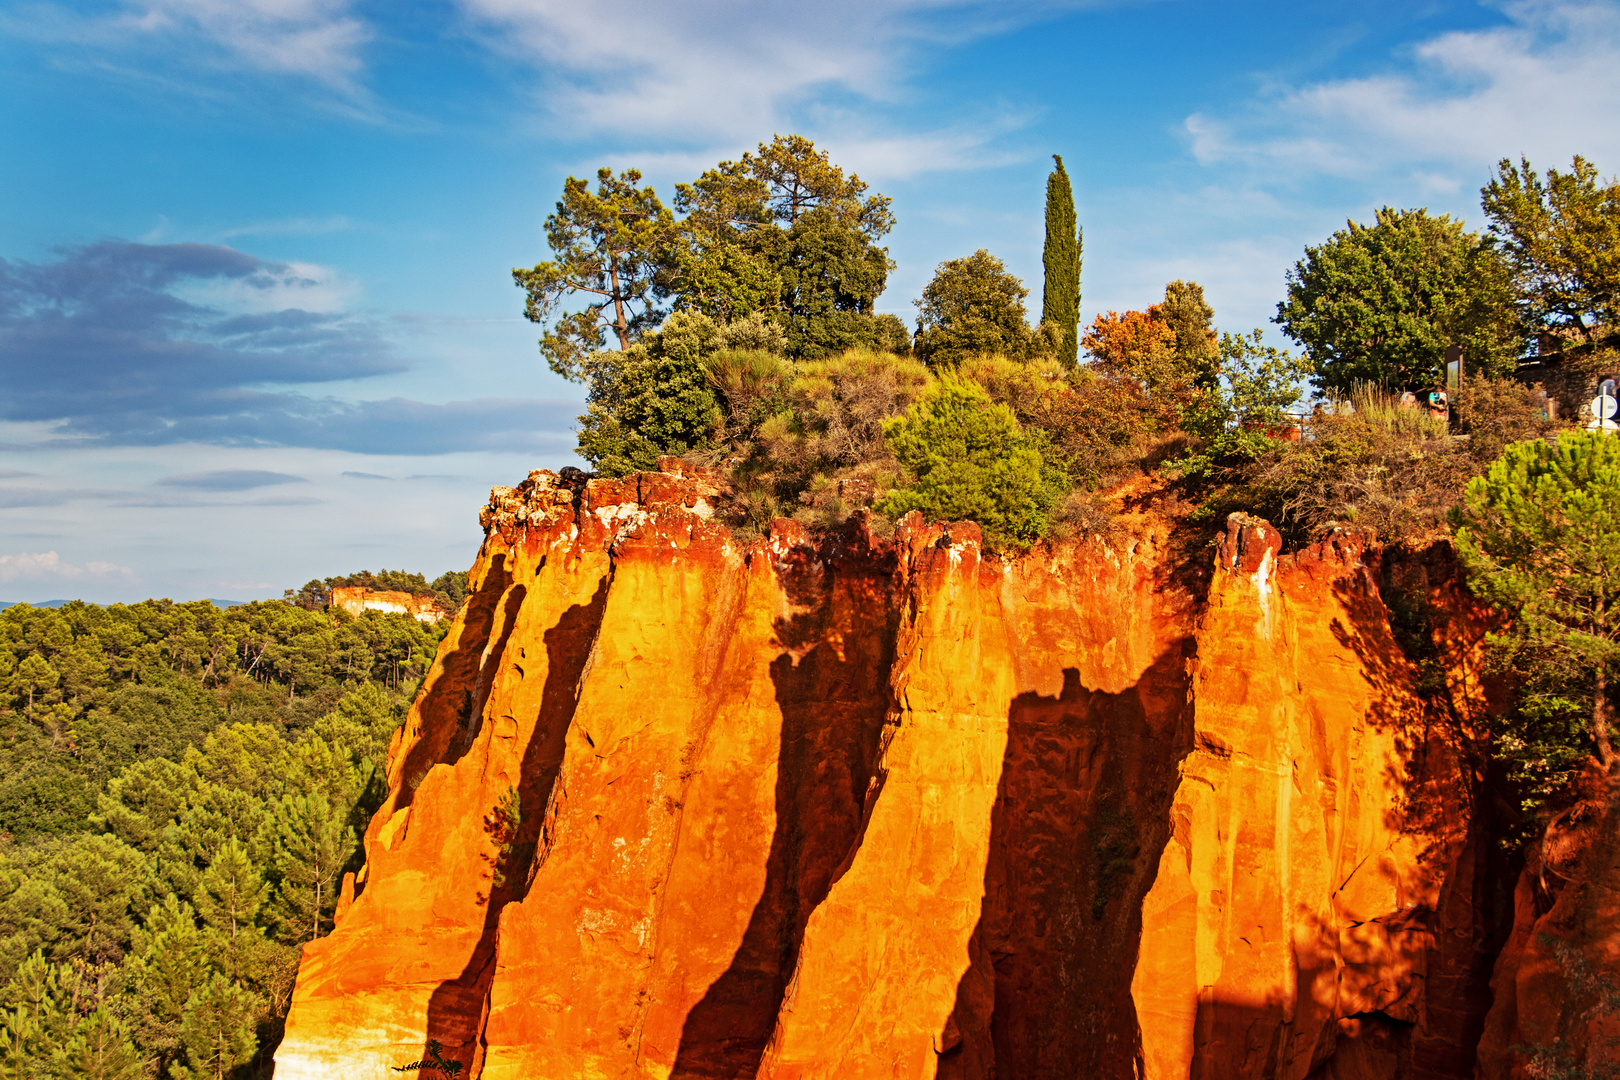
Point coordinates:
[(1600, 721), (619, 325)]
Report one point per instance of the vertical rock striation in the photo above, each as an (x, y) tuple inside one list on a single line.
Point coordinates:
[(1324, 857), (833, 805)]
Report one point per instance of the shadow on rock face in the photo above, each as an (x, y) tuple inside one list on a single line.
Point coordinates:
[(1081, 814), (455, 1010), (833, 703)]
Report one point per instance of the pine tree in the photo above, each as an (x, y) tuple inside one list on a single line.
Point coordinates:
[(969, 459), (101, 1050), (231, 893), (218, 1030), (311, 842), (170, 959), (1540, 536), (1060, 300), (35, 1022)]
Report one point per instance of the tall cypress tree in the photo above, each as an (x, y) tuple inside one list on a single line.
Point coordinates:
[(1060, 300)]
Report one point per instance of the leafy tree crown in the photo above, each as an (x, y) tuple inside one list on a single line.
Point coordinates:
[(972, 305)]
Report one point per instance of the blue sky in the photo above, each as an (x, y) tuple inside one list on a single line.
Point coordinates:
[(256, 318)]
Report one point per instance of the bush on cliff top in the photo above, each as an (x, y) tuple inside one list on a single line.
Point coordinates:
[(966, 456)]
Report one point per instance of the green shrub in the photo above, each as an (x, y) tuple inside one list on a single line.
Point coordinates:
[(969, 458), (752, 385), (1238, 418), (833, 415)]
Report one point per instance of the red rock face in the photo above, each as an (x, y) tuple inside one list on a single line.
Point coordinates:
[(1557, 982), (835, 806)]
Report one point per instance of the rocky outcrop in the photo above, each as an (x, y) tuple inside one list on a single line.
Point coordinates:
[(1324, 907), (673, 804), (357, 601), (1556, 1008)]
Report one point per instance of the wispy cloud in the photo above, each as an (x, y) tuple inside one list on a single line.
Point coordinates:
[(19, 497), (716, 72), (48, 566), (321, 40), (295, 226), (229, 480), (1545, 84)]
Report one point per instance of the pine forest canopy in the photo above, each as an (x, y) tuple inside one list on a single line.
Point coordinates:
[(181, 790)]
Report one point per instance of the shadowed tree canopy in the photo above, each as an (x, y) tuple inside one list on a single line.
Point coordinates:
[(1380, 303), (972, 306), (1060, 299), (1560, 239), (655, 397), (609, 245)]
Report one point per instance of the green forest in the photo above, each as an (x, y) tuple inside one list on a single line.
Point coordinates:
[(183, 788)]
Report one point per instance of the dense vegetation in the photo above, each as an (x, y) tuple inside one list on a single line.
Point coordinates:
[(1540, 532), (815, 408), (181, 790)]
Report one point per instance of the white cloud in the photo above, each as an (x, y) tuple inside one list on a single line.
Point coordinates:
[(48, 566), (859, 147), (296, 226), (1546, 84), (314, 39), (724, 70)]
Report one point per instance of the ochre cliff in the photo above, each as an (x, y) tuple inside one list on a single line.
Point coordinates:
[(830, 805), (1557, 980)]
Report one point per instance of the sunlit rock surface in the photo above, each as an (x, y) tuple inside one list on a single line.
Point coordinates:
[(839, 806)]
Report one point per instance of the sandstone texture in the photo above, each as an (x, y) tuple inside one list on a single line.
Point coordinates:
[(835, 805)]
